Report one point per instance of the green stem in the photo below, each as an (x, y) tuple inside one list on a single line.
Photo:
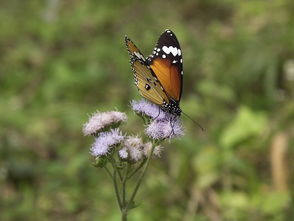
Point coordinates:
[(124, 185), (113, 177), (113, 162), (124, 216), (138, 168), (116, 190), (108, 172), (140, 178)]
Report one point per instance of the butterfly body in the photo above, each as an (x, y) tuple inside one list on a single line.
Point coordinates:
[(159, 77)]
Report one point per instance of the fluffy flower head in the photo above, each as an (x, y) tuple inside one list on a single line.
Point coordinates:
[(123, 153), (156, 151), (163, 129), (146, 108), (99, 121), (134, 146), (105, 141), (133, 149)]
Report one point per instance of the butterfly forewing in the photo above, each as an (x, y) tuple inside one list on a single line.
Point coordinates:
[(134, 52), (147, 84), (145, 80), (167, 64)]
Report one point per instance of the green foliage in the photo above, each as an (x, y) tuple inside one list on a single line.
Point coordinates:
[(61, 60), (246, 124)]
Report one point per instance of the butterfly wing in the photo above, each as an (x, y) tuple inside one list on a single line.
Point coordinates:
[(145, 80), (167, 64), (134, 52)]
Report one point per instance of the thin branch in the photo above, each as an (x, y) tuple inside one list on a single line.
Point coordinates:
[(113, 162), (116, 191), (137, 169), (108, 172), (124, 185), (140, 178)]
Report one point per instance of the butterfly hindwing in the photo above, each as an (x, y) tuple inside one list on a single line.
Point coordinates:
[(167, 64)]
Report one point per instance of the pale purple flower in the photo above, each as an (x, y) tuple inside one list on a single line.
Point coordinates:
[(135, 146), (144, 107), (156, 151), (168, 128), (100, 121), (147, 148), (105, 141), (132, 148), (123, 153), (136, 153)]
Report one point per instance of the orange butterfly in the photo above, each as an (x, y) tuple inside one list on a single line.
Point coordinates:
[(159, 77)]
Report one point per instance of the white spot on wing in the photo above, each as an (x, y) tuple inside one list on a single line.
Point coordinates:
[(174, 50), (170, 49), (139, 55), (166, 49), (179, 52), (181, 60), (163, 56), (158, 49)]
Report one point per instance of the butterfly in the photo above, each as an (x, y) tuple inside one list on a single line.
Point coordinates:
[(159, 77)]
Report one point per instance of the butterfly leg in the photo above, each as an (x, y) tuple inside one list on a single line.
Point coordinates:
[(171, 121), (157, 114)]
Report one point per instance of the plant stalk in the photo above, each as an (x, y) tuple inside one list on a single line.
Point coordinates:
[(140, 178)]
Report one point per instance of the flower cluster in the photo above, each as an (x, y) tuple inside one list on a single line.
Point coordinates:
[(134, 149), (122, 155), (109, 138), (162, 125)]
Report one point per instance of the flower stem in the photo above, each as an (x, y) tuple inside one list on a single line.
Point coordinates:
[(124, 185), (108, 172), (138, 168), (113, 162), (140, 178), (124, 216), (116, 190)]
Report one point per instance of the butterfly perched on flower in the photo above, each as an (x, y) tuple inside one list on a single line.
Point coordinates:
[(159, 77)]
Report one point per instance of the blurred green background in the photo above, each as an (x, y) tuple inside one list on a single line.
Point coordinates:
[(60, 60)]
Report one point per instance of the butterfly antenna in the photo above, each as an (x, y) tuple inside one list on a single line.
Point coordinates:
[(186, 115)]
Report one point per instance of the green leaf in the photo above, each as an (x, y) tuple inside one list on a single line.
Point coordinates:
[(246, 124)]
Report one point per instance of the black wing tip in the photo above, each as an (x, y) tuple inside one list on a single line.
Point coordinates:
[(127, 38), (168, 31)]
